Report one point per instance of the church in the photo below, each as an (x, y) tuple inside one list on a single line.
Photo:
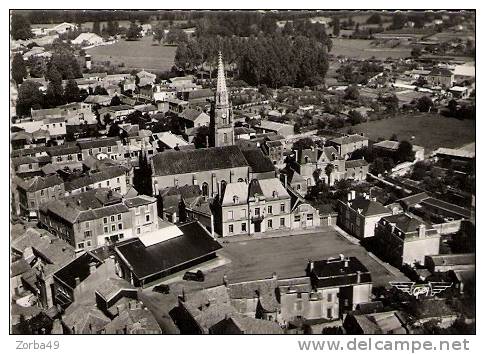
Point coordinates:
[(210, 168), (222, 120)]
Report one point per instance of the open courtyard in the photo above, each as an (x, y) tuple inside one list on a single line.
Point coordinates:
[(286, 256)]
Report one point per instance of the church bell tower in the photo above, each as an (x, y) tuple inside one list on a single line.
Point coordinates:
[(222, 123)]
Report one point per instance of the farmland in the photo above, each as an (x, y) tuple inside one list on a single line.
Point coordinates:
[(142, 54), (429, 130), (362, 48)]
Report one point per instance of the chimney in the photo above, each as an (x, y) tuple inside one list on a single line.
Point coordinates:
[(349, 196), (311, 266), (346, 263), (286, 180), (296, 155), (342, 257), (274, 276), (422, 230), (365, 195), (353, 194), (358, 276), (224, 280), (92, 267), (78, 281)]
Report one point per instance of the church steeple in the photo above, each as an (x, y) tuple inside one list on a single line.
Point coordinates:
[(222, 124), (221, 89)]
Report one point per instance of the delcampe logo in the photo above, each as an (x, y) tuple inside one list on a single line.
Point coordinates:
[(427, 289)]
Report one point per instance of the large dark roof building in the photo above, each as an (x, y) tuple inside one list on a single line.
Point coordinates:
[(171, 250), (189, 161)]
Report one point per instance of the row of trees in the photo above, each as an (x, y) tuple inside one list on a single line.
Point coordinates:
[(271, 60)]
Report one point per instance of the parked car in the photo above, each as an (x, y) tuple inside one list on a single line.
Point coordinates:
[(195, 276), (162, 289)]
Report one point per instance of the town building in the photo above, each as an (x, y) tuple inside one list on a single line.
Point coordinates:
[(347, 144), (389, 148), (209, 168), (441, 77), (403, 239), (343, 281), (258, 206), (170, 249), (359, 215)]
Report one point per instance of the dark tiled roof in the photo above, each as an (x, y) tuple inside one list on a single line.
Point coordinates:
[(145, 261), (108, 173), (406, 223), (190, 114), (63, 150), (97, 143), (368, 207), (440, 72), (355, 163), (78, 268), (334, 272), (257, 161), (139, 200), (37, 183), (349, 139), (255, 189), (189, 161)]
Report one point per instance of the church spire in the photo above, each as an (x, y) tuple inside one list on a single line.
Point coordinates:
[(221, 90)]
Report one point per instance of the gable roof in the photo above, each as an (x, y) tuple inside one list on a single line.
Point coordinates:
[(189, 161), (257, 161), (368, 207), (192, 114)]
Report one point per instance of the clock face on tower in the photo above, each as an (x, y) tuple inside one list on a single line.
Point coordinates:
[(223, 115)]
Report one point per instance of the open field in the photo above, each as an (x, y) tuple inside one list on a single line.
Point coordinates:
[(142, 54), (362, 48), (430, 130), (287, 256)]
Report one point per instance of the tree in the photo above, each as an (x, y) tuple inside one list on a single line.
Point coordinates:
[(71, 92), (115, 101), (352, 93), (142, 178), (200, 139), (55, 93), (29, 97), (356, 117), (19, 71), (134, 32), (394, 137), (336, 27), (99, 90), (159, 32), (374, 19), (391, 102), (96, 27), (303, 143), (176, 35), (416, 52), (424, 104), (20, 27), (405, 152), (328, 171)]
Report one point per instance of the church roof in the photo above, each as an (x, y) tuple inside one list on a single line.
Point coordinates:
[(189, 161)]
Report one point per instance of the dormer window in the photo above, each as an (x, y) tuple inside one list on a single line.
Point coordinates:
[(235, 199), (275, 194)]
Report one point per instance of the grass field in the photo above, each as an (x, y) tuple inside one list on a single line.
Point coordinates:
[(430, 130), (142, 54), (362, 48)]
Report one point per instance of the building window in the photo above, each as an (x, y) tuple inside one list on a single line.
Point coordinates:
[(69, 157), (90, 151), (282, 222), (309, 217), (243, 227), (86, 224), (87, 233), (79, 157), (225, 137), (59, 158), (109, 148), (270, 209), (99, 185), (119, 217), (112, 218), (113, 227), (88, 243), (298, 295), (80, 245), (117, 180), (120, 226), (282, 208), (329, 297), (41, 192), (231, 229), (230, 215), (270, 224), (256, 211), (106, 230), (330, 313), (107, 183), (147, 218), (297, 218), (298, 187), (138, 231), (30, 166), (105, 220)]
